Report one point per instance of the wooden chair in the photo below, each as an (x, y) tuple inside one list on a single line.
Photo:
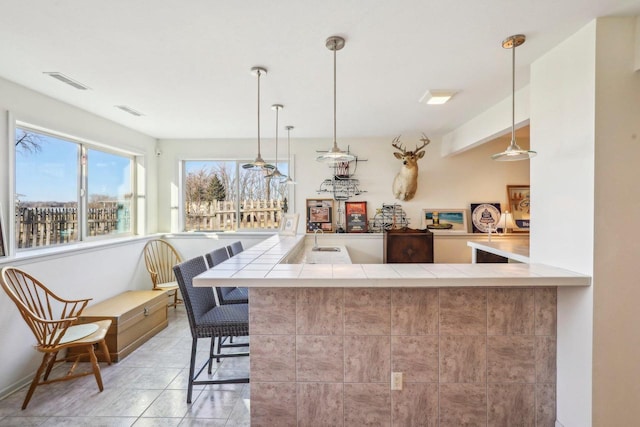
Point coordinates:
[(53, 322), (160, 257)]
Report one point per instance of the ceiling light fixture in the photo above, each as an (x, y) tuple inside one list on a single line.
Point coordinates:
[(436, 97), (258, 164), (276, 172), (513, 151), (335, 154), (65, 79), (289, 180)]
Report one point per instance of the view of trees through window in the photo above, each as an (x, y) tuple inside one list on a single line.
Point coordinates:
[(224, 195), (48, 201)]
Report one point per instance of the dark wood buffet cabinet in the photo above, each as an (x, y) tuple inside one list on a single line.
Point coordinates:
[(407, 245)]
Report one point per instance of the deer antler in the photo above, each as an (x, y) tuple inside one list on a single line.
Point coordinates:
[(425, 141), (396, 144)]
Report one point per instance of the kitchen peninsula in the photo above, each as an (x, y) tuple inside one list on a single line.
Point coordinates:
[(472, 343)]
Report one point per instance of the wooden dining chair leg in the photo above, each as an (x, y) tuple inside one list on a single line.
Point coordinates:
[(52, 361), (36, 379), (105, 351), (96, 368)]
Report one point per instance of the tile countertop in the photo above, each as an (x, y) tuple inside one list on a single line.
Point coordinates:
[(262, 266)]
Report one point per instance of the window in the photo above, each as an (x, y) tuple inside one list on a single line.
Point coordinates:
[(223, 195), (67, 191)]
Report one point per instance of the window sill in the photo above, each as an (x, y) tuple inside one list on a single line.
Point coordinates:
[(29, 255)]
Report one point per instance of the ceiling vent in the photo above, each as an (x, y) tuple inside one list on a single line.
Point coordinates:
[(129, 110), (67, 80)]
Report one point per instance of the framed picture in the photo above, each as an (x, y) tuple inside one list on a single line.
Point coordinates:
[(519, 206), (445, 219), (484, 217), (356, 216), (289, 224), (319, 215)]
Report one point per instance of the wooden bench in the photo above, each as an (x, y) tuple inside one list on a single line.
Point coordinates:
[(135, 317)]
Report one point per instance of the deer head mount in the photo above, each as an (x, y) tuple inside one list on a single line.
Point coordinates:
[(405, 183)]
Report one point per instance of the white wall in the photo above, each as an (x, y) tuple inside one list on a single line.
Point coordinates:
[(562, 183), (616, 318), (97, 272)]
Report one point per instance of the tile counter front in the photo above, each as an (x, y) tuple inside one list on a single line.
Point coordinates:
[(471, 353)]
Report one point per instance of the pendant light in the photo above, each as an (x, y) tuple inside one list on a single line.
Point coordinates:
[(513, 151), (258, 164), (276, 172), (289, 180), (335, 154)]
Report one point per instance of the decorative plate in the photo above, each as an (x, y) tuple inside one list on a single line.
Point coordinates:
[(484, 215)]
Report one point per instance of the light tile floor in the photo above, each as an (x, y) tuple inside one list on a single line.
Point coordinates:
[(147, 388)]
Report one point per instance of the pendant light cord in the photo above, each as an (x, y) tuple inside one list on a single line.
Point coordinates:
[(259, 74), (277, 111), (513, 94), (335, 142)]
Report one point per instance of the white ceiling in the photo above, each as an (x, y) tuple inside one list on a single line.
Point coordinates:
[(185, 63)]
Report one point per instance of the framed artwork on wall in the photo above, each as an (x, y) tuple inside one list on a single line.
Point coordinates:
[(356, 216), (289, 224), (451, 220), (319, 215), (520, 206), (484, 217)]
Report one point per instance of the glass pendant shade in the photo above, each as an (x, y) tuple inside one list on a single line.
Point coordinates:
[(335, 154), (513, 151)]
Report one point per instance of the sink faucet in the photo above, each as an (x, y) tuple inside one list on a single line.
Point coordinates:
[(315, 237)]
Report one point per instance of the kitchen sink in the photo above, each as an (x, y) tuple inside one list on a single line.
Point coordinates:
[(325, 249)]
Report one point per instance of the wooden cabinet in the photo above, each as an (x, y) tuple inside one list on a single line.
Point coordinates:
[(408, 245), (135, 317), (483, 257)]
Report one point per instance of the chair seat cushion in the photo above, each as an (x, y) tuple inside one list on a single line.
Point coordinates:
[(224, 320), (236, 296), (167, 286)]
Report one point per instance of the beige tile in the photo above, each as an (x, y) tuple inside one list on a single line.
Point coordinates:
[(416, 405), (463, 405), (511, 405), (367, 359), (273, 358), (546, 359), (367, 405), (272, 311), (510, 311), (319, 358), (273, 404), (414, 311), (320, 311), (463, 311), (545, 405), (320, 404), (511, 359), (463, 359), (546, 311), (416, 357), (367, 311)]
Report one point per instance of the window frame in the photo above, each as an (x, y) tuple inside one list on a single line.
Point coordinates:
[(83, 145), (182, 173)]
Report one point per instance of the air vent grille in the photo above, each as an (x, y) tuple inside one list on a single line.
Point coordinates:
[(65, 79), (129, 110)]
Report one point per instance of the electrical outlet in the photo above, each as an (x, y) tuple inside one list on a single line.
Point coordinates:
[(396, 381)]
